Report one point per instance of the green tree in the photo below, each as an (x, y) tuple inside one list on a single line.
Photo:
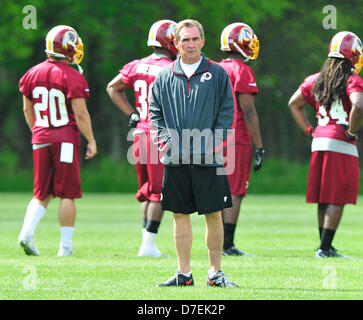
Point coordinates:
[(293, 43)]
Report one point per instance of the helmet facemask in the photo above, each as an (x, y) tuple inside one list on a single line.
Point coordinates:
[(357, 51), (78, 56), (358, 66)]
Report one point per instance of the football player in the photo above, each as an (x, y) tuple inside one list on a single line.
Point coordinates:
[(241, 45), (336, 95), (139, 75), (55, 110)]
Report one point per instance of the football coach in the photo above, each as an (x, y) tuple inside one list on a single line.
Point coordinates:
[(191, 115)]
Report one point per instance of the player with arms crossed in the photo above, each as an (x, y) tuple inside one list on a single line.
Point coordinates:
[(55, 110), (241, 44), (336, 94), (139, 76)]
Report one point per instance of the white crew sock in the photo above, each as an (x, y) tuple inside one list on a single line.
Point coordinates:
[(186, 274), (34, 214), (211, 274), (66, 236)]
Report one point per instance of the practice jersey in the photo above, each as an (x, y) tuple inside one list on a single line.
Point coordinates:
[(243, 81), (329, 133), (51, 86), (139, 76)]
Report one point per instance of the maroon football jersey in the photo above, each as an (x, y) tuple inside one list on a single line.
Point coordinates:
[(243, 81), (330, 121), (51, 86), (139, 76)]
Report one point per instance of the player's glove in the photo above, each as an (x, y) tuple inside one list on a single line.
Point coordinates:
[(134, 120), (259, 154), (348, 134), (310, 132)]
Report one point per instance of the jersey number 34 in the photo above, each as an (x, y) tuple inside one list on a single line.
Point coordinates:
[(336, 112)]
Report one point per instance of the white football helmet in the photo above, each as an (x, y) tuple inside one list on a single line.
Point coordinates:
[(161, 35), (63, 42), (239, 37), (346, 44)]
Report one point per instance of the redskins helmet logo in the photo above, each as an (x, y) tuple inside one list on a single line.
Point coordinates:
[(68, 38), (170, 32), (357, 47), (245, 34)]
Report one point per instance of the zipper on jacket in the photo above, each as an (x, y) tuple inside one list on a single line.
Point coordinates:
[(188, 79), (188, 82)]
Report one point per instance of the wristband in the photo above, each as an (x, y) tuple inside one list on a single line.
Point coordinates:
[(309, 131), (351, 134)]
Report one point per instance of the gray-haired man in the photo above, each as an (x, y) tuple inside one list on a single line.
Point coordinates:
[(192, 111)]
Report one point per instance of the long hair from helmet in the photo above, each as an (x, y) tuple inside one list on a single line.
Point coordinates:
[(332, 81)]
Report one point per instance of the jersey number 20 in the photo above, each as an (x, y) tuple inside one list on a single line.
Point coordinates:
[(58, 117)]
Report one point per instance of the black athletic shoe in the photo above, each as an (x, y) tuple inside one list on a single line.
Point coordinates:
[(331, 253), (233, 251), (178, 280), (322, 253), (334, 253), (220, 280)]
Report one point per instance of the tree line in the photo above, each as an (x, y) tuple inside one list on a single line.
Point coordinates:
[(293, 44)]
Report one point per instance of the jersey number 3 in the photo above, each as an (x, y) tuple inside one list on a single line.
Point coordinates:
[(49, 99), (144, 96)]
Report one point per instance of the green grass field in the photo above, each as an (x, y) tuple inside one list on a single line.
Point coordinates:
[(279, 230)]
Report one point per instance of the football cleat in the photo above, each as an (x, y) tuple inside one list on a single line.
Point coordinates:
[(219, 279), (64, 251), (149, 250), (334, 253), (178, 280), (322, 253), (233, 251), (29, 247)]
